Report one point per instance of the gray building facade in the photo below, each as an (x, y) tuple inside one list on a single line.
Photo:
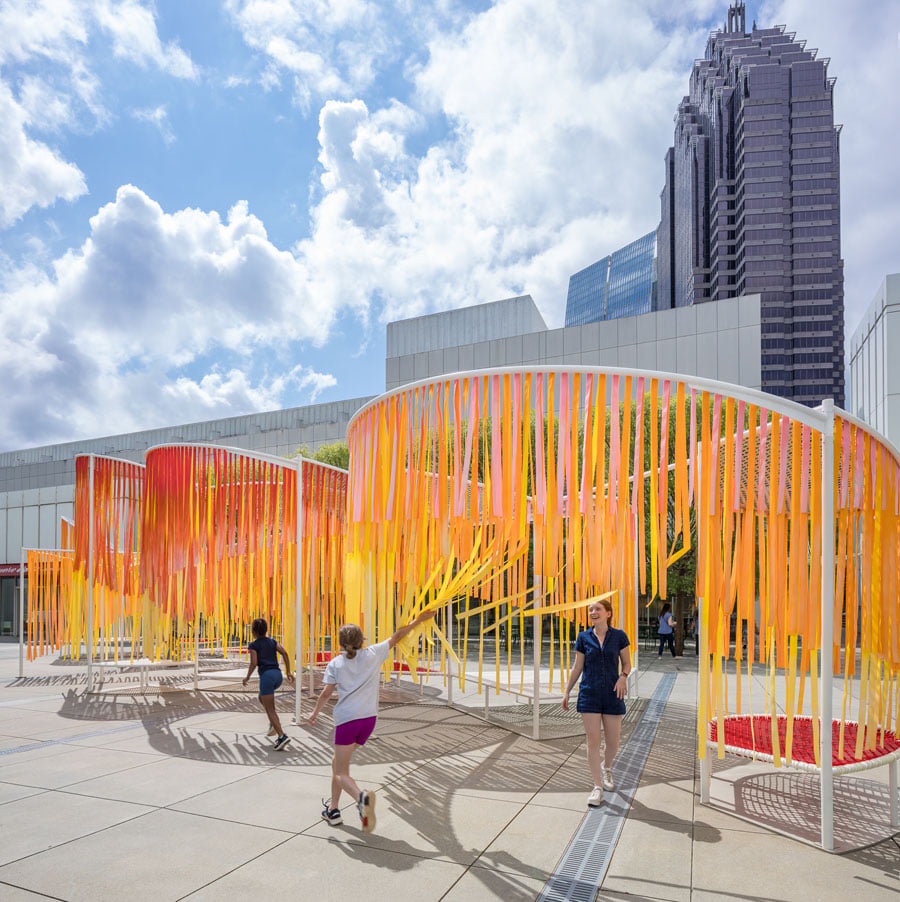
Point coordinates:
[(751, 202), (717, 341)]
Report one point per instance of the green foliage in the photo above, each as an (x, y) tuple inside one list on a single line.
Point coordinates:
[(336, 454)]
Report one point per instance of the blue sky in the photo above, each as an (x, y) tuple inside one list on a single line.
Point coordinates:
[(211, 207)]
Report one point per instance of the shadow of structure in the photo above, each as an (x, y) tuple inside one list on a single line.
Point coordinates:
[(789, 802), (434, 755), (493, 763)]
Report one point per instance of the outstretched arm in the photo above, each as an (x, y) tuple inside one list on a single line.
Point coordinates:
[(404, 631), (324, 695)]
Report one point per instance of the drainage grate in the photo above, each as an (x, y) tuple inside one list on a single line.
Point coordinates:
[(583, 866)]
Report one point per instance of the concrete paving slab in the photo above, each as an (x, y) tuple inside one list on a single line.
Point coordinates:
[(36, 823), (781, 869), (653, 858), (72, 765), (427, 822), (9, 792), (671, 803), (533, 842), (308, 867), (280, 798), (155, 857), (609, 896), (163, 781), (568, 788), (15, 894), (480, 884)]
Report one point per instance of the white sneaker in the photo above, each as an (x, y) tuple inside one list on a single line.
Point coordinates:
[(272, 732), (596, 797), (608, 782)]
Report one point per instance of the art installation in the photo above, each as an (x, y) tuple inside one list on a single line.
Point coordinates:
[(510, 499)]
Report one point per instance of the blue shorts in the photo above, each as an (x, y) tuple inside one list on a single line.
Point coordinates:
[(269, 681), (601, 701)]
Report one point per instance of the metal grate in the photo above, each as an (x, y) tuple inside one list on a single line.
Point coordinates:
[(583, 866)]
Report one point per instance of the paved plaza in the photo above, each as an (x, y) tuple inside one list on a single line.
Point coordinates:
[(172, 794)]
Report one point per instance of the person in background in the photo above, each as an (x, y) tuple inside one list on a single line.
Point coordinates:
[(603, 661), (264, 656), (666, 629)]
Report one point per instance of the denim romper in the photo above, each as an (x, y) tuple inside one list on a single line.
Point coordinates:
[(597, 693)]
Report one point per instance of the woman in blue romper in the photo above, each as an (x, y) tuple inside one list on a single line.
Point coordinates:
[(599, 652)]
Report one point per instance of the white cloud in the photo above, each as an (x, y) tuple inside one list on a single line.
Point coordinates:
[(560, 117), (47, 85), (216, 394), (158, 117), (333, 49), (31, 173), (110, 340), (133, 29)]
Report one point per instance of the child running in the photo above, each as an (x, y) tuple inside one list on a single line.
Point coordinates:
[(355, 675), (264, 655)]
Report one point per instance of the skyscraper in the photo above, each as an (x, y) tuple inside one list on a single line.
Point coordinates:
[(621, 284), (751, 203)]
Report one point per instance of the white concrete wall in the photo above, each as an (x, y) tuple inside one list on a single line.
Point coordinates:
[(874, 394), (719, 340), (466, 325), (31, 518)]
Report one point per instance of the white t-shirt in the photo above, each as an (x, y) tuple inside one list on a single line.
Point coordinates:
[(357, 682)]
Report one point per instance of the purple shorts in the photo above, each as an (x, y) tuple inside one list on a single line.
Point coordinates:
[(354, 732)]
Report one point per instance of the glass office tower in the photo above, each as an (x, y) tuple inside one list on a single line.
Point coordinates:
[(751, 203), (622, 284)]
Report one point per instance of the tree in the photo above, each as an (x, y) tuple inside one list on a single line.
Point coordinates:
[(337, 454)]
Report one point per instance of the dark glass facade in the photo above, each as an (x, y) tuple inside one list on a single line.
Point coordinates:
[(751, 203), (622, 284)]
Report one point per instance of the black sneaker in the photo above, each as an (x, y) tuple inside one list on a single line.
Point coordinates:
[(281, 743), (366, 807), (332, 815)]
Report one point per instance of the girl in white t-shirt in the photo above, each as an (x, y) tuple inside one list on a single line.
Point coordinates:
[(355, 675)]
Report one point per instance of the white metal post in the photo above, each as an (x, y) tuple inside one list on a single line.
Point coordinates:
[(89, 595), (536, 649), (705, 762), (309, 638), (827, 630), (449, 658), (22, 616), (705, 777), (298, 598), (637, 607), (197, 630), (893, 781)]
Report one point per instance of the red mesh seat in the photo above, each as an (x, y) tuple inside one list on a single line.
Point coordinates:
[(752, 737)]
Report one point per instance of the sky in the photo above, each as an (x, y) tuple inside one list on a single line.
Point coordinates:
[(213, 207)]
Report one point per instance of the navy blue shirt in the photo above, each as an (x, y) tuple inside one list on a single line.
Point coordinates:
[(266, 653), (601, 665)]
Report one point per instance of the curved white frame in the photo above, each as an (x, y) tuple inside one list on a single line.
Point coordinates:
[(822, 420)]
